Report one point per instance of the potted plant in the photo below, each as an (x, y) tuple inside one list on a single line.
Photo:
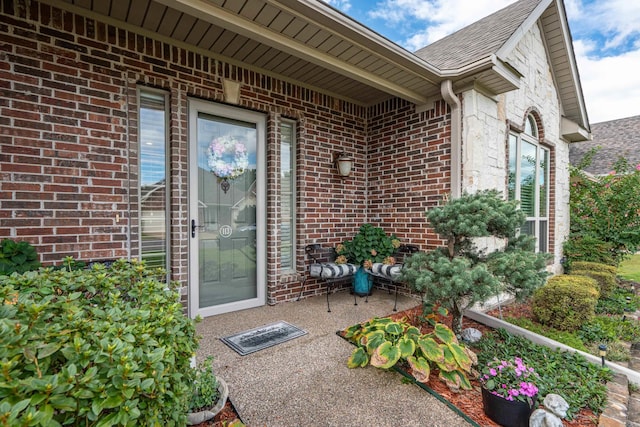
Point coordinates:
[(209, 394), (509, 392), (370, 245)]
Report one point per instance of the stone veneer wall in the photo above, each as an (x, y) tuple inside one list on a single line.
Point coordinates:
[(69, 157), (488, 119)]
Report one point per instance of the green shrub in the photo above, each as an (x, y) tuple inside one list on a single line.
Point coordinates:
[(606, 281), (567, 338), (593, 266), (618, 302), (610, 329), (106, 346), (587, 248), (565, 302), (17, 257)]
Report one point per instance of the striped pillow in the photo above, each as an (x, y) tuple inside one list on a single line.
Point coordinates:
[(331, 270), (391, 272)]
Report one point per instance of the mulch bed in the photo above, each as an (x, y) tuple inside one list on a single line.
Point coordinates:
[(468, 401)]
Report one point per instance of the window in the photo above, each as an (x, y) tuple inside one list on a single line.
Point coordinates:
[(529, 181), (154, 208), (287, 195)]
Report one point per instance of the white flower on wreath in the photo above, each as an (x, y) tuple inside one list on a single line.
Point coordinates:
[(227, 157)]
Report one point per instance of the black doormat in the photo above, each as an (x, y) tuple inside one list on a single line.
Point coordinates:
[(262, 337)]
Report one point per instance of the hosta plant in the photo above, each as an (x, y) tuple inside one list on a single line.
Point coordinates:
[(383, 342)]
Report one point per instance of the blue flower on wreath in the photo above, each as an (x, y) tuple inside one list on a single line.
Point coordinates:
[(227, 157)]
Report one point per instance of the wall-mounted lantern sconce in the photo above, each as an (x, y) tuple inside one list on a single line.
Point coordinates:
[(344, 162)]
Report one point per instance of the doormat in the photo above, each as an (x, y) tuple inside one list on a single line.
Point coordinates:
[(262, 337)]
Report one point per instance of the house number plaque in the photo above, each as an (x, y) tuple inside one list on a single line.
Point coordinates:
[(225, 231)]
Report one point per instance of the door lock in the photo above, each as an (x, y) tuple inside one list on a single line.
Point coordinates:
[(195, 227)]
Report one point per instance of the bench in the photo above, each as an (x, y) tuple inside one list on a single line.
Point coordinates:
[(391, 273), (322, 267)]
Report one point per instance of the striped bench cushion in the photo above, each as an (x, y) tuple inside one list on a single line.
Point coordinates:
[(331, 270), (390, 272)]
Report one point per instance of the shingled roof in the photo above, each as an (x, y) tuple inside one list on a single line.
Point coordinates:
[(478, 40), (616, 138)]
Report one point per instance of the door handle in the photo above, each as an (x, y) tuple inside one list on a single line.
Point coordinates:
[(195, 227)]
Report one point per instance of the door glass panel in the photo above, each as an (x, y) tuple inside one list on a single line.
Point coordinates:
[(226, 152)]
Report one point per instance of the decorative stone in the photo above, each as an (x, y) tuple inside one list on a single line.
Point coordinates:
[(555, 408), (471, 335)]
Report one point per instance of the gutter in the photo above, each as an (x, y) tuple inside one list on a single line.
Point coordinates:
[(485, 319), (446, 89)]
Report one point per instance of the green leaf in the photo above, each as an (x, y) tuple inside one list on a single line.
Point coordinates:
[(63, 403), (431, 350), (385, 356), (412, 332), (455, 380), (420, 368), (407, 347), (444, 334), (47, 415), (19, 407), (449, 364), (394, 328), (460, 356), (113, 402), (373, 340), (359, 358), (48, 350)]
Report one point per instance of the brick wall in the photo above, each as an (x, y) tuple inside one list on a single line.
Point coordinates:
[(69, 157)]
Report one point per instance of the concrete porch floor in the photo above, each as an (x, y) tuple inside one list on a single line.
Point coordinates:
[(305, 381)]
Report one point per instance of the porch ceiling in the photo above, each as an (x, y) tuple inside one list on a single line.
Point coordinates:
[(302, 41)]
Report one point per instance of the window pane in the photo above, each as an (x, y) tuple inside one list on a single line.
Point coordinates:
[(287, 196), (529, 227), (543, 236), (513, 162), (528, 178), (543, 181), (530, 127), (153, 201)]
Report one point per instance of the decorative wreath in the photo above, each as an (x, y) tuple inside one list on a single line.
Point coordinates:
[(227, 157)]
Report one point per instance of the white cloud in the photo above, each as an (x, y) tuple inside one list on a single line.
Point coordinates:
[(434, 19), (611, 85), (343, 5)]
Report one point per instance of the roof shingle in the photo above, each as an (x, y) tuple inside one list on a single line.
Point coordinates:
[(616, 138), (478, 40)]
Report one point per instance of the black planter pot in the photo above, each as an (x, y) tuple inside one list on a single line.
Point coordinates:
[(507, 413)]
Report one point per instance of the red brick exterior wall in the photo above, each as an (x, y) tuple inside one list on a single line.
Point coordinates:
[(69, 137)]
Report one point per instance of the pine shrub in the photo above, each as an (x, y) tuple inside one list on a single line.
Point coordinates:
[(566, 302)]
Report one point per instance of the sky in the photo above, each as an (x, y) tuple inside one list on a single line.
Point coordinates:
[(606, 40)]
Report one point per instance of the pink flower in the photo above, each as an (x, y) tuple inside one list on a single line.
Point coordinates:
[(638, 167)]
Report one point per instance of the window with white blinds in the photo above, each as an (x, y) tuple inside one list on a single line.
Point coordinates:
[(154, 207), (287, 195), (529, 182)]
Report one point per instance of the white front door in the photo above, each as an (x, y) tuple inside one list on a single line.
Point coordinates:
[(227, 212)]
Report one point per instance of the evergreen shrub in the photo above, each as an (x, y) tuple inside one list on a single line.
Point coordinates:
[(105, 346), (606, 281), (594, 266), (565, 302)]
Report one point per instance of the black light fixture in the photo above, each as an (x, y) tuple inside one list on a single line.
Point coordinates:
[(344, 163), (603, 352)]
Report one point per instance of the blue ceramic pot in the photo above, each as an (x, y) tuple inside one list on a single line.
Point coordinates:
[(362, 282)]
